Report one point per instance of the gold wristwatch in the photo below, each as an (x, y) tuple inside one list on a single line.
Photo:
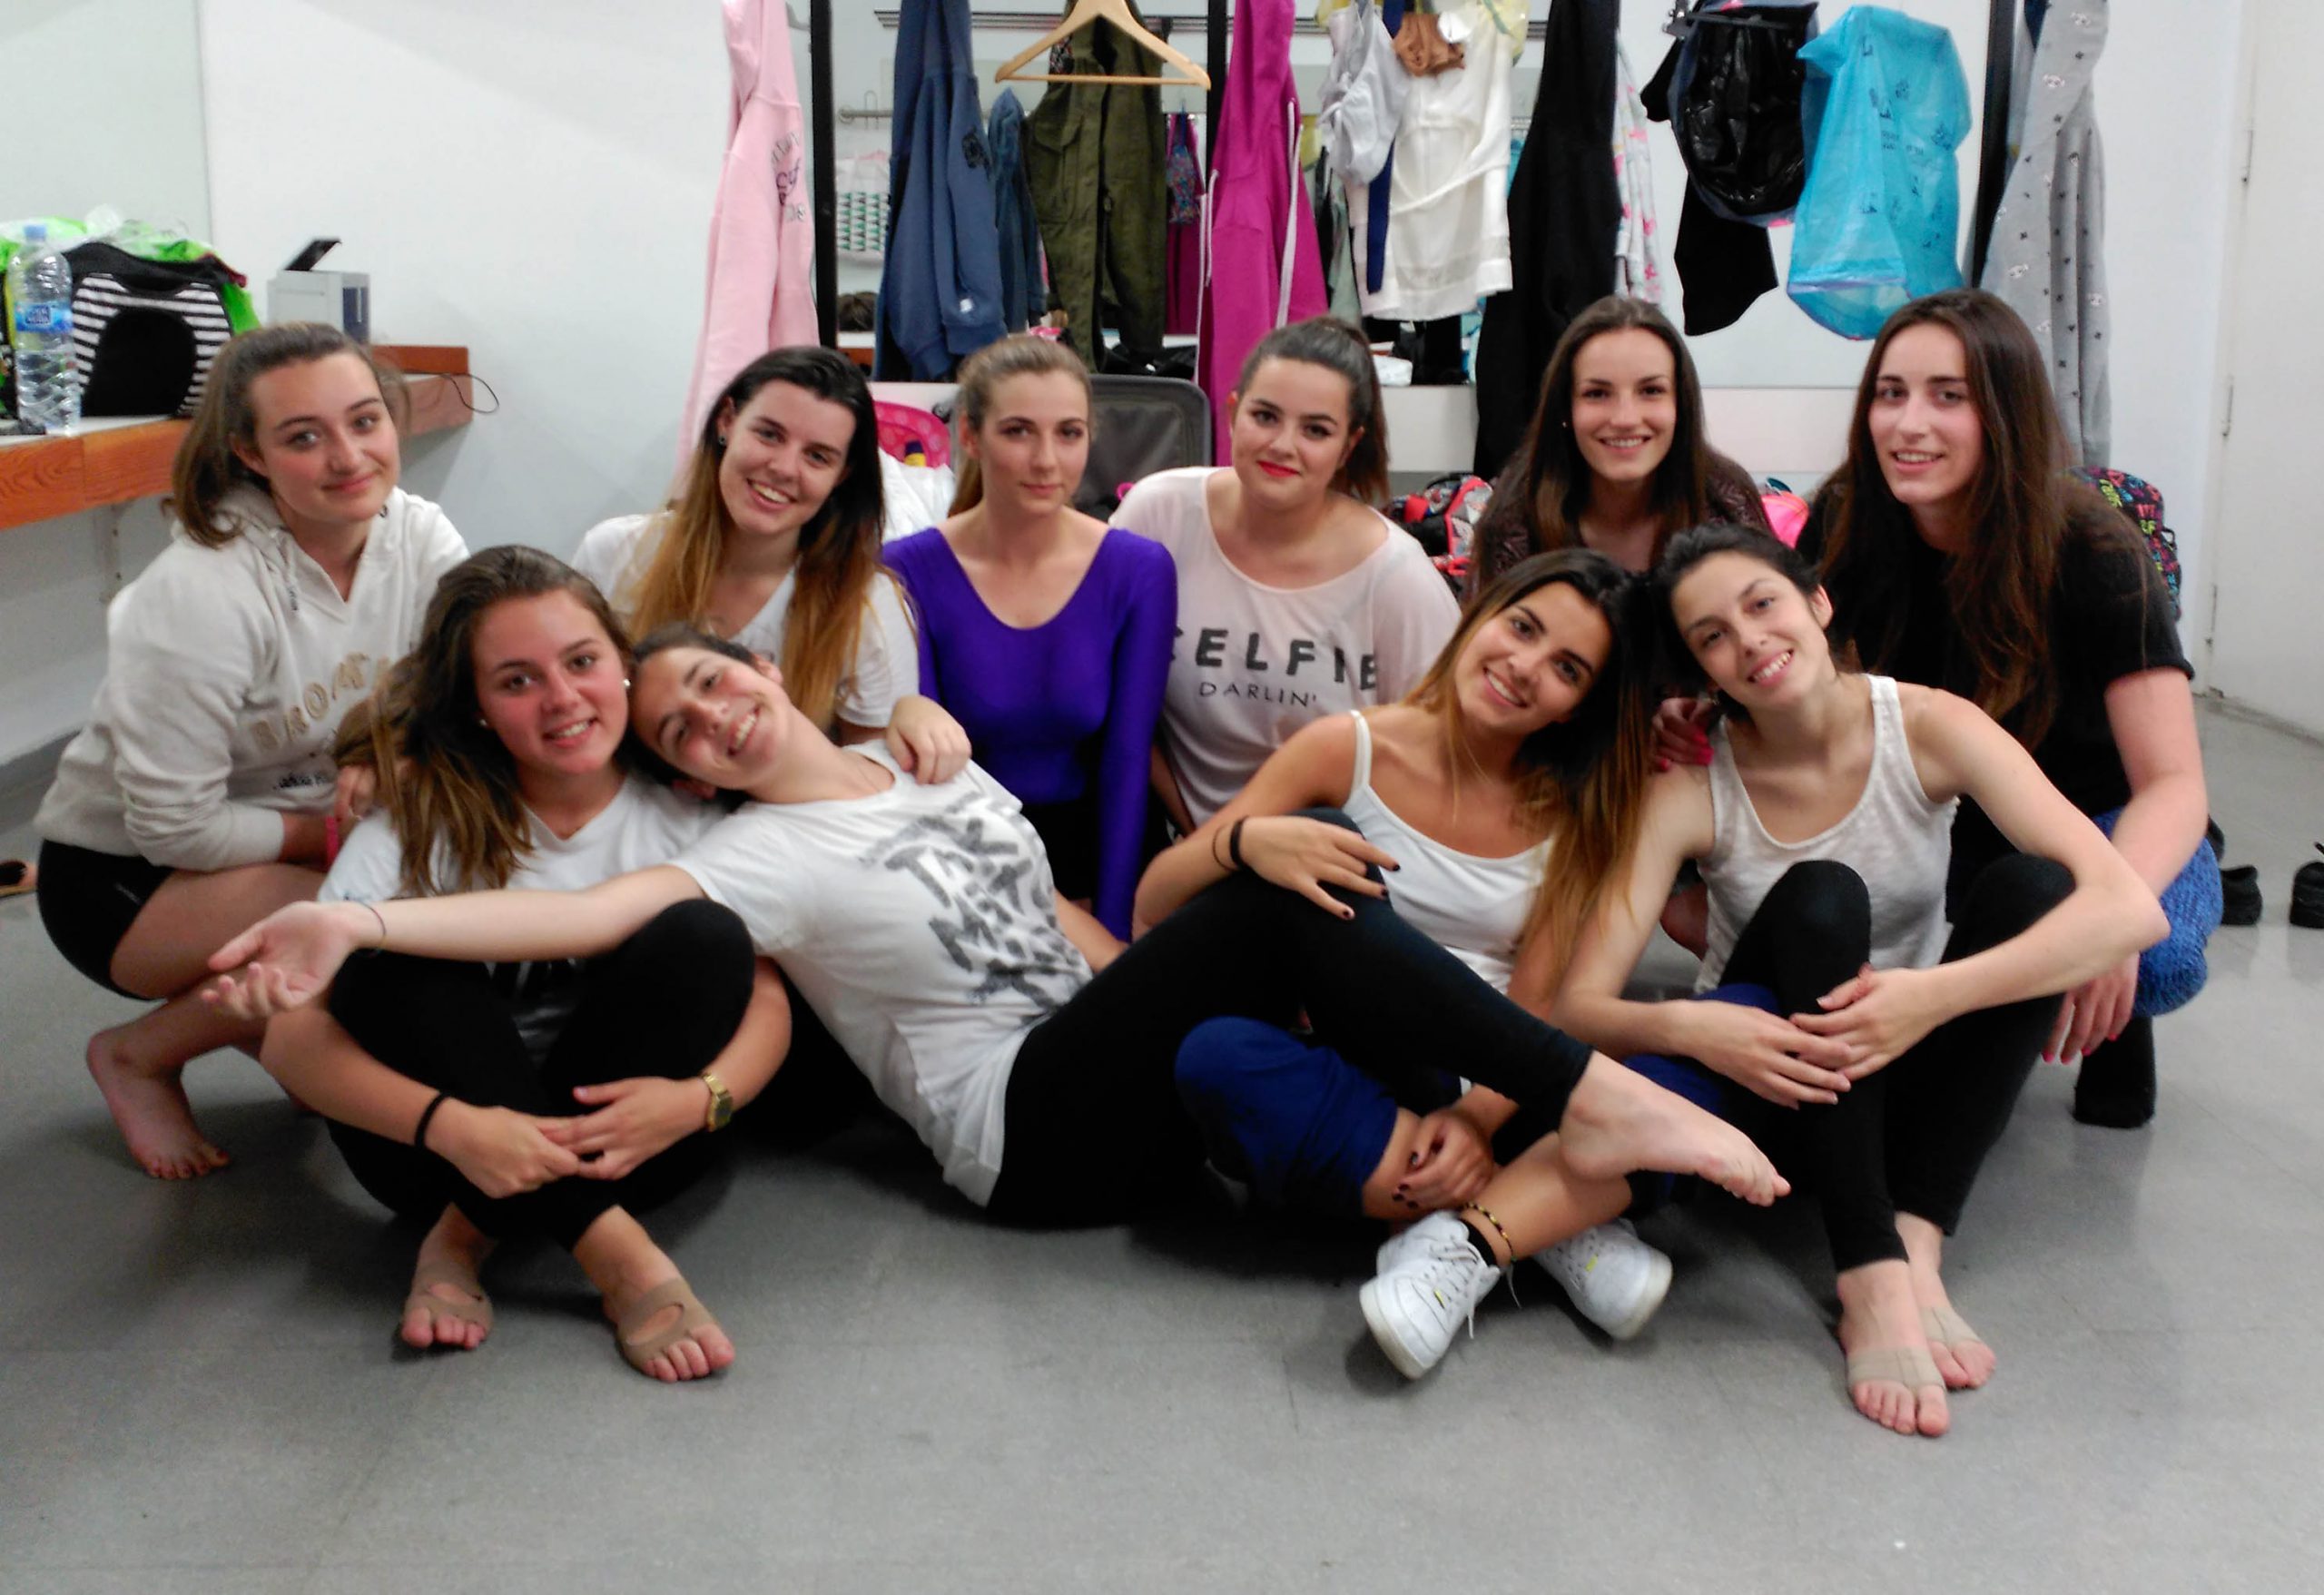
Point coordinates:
[(722, 1103)]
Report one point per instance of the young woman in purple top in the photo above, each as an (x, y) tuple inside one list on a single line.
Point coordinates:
[(1044, 632)]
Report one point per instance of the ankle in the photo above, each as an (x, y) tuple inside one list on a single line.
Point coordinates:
[(619, 1257), (1485, 1233)]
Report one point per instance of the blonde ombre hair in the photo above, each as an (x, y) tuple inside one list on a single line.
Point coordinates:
[(838, 549), (1581, 781)]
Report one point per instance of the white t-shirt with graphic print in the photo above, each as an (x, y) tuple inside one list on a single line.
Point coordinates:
[(921, 924), (1253, 664)]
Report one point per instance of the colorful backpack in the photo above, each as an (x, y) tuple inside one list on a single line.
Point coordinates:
[(2143, 503)]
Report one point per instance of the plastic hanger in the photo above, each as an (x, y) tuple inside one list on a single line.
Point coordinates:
[(1117, 13)]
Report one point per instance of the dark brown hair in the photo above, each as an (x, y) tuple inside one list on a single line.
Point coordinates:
[(1690, 548), (1336, 345), (445, 779), (2021, 508), (1550, 480), (675, 633), (206, 468), (1582, 781)]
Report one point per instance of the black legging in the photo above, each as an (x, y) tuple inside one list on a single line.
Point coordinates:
[(664, 1002), (1909, 1138), (1094, 1123)]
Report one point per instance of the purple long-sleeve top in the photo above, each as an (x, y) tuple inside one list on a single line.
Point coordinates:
[(1056, 710)]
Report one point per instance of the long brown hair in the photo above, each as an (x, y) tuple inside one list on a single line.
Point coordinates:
[(1551, 479), (838, 549), (1019, 354), (2021, 509), (1582, 781), (444, 778), (206, 468), (1336, 345)]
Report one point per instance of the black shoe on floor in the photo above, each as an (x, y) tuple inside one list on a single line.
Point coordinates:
[(2239, 895), (2216, 837), (2115, 1086), (2308, 894)]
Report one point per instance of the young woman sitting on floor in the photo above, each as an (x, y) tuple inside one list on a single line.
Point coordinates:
[(1044, 632), (551, 1097), (201, 793), (1296, 600), (1501, 795), (775, 542), (1836, 1012)]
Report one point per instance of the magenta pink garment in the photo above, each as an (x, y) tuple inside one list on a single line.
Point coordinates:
[(1255, 200), (762, 230)]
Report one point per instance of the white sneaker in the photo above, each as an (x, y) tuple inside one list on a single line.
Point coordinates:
[(1616, 1280), (1431, 1281)]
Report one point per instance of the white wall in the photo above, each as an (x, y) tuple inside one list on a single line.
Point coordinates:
[(147, 166), (53, 585), (533, 180), (2168, 101)]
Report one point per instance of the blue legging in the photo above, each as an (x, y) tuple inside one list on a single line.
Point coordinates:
[(2174, 969), (1289, 1117)]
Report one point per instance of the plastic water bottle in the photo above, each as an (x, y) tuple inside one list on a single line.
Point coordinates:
[(40, 330)]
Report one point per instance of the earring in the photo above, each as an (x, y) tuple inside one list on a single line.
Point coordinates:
[(480, 720), (624, 684), (722, 440)]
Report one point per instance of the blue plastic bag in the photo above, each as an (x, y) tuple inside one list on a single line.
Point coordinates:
[(1886, 105)]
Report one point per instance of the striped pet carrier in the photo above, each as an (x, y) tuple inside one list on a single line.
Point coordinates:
[(145, 332)]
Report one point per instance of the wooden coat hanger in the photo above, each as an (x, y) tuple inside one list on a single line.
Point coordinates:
[(1117, 13)]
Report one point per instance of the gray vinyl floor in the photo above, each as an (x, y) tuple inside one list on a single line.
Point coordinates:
[(199, 1389)]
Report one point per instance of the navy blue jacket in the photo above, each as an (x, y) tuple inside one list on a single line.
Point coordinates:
[(1024, 297), (940, 292)]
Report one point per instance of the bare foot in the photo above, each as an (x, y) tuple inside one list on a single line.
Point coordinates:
[(447, 1307), (701, 1350), (150, 1107), (1617, 1121), (627, 1266), (1961, 1355), (1878, 1314)]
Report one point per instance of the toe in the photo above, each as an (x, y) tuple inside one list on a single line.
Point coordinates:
[(1932, 1415), (417, 1328), (1976, 1360), (1948, 1366)]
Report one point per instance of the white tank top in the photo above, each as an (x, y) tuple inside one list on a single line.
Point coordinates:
[(1898, 837), (1474, 908)]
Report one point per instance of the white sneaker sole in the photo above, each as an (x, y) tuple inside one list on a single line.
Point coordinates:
[(1642, 1311), (1376, 1317)]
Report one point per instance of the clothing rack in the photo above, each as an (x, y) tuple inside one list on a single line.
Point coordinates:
[(1993, 165)]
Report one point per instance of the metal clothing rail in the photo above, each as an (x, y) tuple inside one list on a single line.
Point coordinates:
[(1993, 165)]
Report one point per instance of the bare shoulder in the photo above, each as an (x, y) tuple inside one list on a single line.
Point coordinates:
[(1678, 818), (1937, 719), (1315, 764)]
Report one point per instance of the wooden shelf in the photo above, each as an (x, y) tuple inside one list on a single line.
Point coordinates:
[(44, 478)]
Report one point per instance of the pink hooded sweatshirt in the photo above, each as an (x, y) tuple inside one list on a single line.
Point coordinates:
[(1264, 267), (762, 230)]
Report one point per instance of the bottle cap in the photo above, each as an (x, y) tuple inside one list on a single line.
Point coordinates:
[(35, 233)]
